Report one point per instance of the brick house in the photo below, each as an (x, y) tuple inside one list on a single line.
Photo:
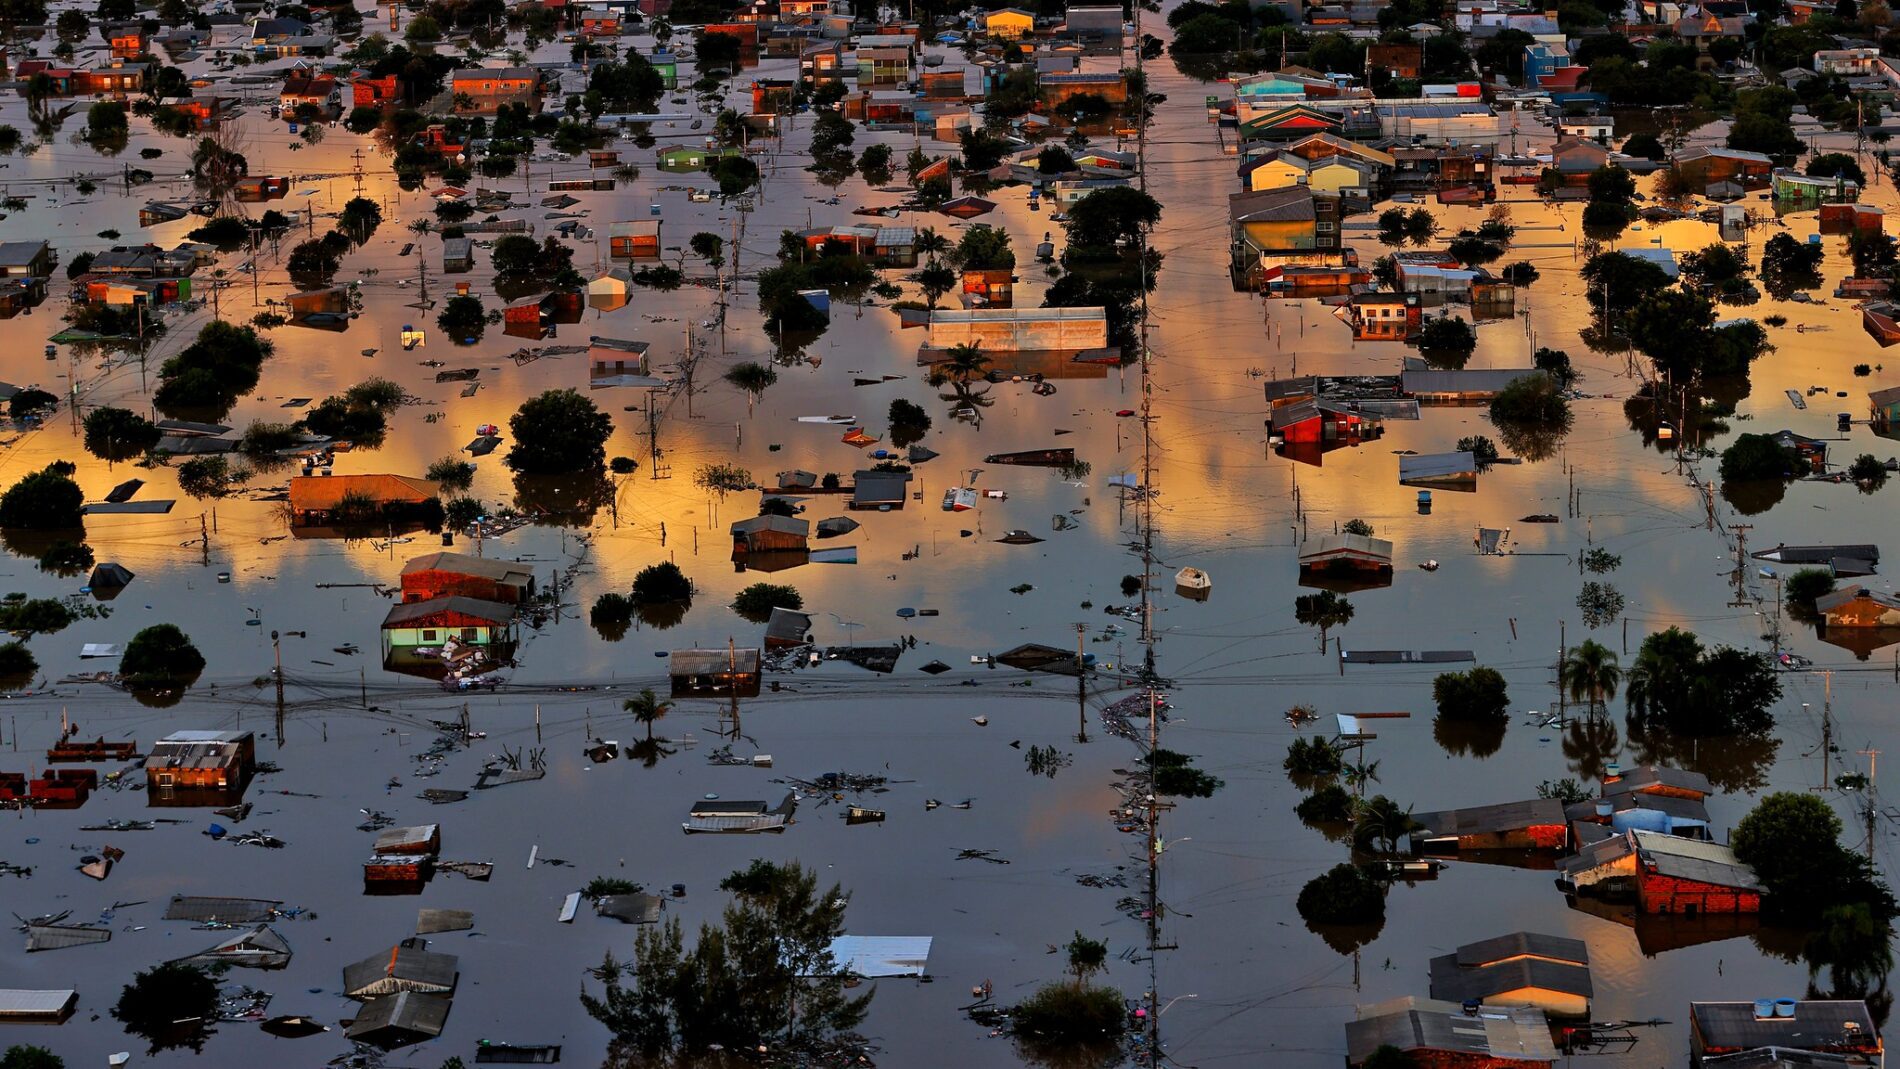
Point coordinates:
[(1664, 874), (440, 575)]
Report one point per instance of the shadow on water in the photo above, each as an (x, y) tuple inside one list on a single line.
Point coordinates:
[(563, 500), (1589, 745), (1732, 763), (1469, 738)]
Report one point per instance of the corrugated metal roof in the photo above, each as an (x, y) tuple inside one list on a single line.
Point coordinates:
[(227, 910), (1437, 466), (399, 969), (1518, 944), (463, 564), (1815, 1023), (406, 1012), (713, 662), (1410, 1024), (27, 1002), (1487, 819), (61, 936), (431, 921), (1453, 983), (872, 956), (495, 612)]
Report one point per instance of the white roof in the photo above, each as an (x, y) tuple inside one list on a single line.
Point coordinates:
[(872, 956), (22, 1001)]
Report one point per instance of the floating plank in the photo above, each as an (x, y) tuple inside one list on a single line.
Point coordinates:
[(570, 907)]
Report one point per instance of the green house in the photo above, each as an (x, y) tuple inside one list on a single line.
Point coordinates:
[(669, 70), (691, 158), (1886, 404), (447, 629)]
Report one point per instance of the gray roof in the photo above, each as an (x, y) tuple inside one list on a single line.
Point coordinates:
[(1289, 205), (782, 524), (61, 936), (872, 956), (25, 1002), (1814, 1024), (226, 910), (19, 253), (1487, 819), (1437, 465), (1455, 984), (1682, 809), (1846, 594), (1470, 381), (431, 921), (629, 909), (1646, 776), (789, 625), (400, 968), (402, 1016), (876, 486), (1522, 944), (1691, 859), (1413, 1024), (712, 662), (1776, 1058), (406, 840), (259, 948)]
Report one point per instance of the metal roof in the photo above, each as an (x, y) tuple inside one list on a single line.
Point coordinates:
[(1455, 984), (27, 1002), (1347, 545), (1637, 779), (1815, 1023), (259, 948), (1522, 944), (1486, 819), (403, 839), (431, 921), (713, 662), (630, 909), (61, 936), (872, 956), (1692, 859), (227, 910), (1410, 1024), (782, 524), (407, 1011), (1437, 466), (463, 564), (1469, 381), (414, 612), (399, 968)]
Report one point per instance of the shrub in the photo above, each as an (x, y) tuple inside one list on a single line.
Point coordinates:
[(1175, 775), (1534, 401), (1758, 457), (452, 472), (1328, 804), (1357, 526), (16, 662), (1343, 894), (463, 319), (1316, 757), (1062, 1014), (118, 434), (1804, 586), (66, 558)]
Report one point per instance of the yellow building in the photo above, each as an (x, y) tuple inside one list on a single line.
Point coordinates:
[(1333, 174), (1009, 23)]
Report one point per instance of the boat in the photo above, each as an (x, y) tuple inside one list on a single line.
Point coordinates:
[(959, 499), (827, 419), (1018, 538), (857, 814), (1035, 458), (1193, 583), (1795, 399)]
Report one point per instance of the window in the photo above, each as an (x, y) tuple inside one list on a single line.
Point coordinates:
[(428, 634), (1323, 226), (471, 634)]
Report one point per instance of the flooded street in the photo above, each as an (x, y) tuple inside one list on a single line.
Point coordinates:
[(1255, 985)]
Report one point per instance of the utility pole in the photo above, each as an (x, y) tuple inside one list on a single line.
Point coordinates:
[(277, 655), (1867, 799), (1081, 687)]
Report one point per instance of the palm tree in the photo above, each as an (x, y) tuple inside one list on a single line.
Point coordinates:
[(932, 244), (647, 708), (963, 363), (1324, 610), (1381, 821), (1590, 673)]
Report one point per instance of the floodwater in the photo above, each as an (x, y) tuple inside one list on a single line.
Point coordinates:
[(1252, 981)]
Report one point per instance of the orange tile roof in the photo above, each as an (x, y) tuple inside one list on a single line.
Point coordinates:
[(321, 492)]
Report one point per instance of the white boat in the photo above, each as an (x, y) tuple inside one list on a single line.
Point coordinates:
[(828, 419), (959, 499), (1193, 583)]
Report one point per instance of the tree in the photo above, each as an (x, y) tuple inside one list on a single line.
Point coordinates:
[(1173, 775), (763, 975), (754, 378), (463, 319), (709, 247), (1868, 472), (1357, 526), (1755, 457), (515, 254), (935, 279), (756, 602), (158, 998), (984, 248), (202, 477), (1556, 364), (117, 434), (962, 363), (1792, 841), (1313, 758), (661, 583), (1600, 603), (1532, 402), (1836, 165), (1618, 281), (1590, 673), (1805, 585), (646, 708), (48, 499), (1612, 184), (717, 49), (1448, 340), (558, 432), (1324, 610), (1677, 685), (360, 218), (1343, 894), (423, 31), (909, 422), (1482, 449), (210, 374), (23, 1057), (1644, 145), (1476, 695), (1086, 958), (160, 654), (735, 174)]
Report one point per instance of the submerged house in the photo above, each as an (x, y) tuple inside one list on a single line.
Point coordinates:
[(1537, 824), (1602, 818), (1885, 406), (445, 629), (1347, 553), (1857, 606), (1548, 972), (1445, 1035), (440, 575), (1793, 1026), (399, 969), (403, 1018), (770, 543), (1656, 779), (194, 768), (727, 673), (1664, 874), (326, 500)]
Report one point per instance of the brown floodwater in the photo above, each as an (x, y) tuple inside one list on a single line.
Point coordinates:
[(1254, 982)]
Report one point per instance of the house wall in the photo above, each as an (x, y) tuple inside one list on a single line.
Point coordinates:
[(1535, 837), (423, 586), (406, 637), (1863, 612), (1028, 331), (1296, 234), (1666, 894), (1555, 1003)]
